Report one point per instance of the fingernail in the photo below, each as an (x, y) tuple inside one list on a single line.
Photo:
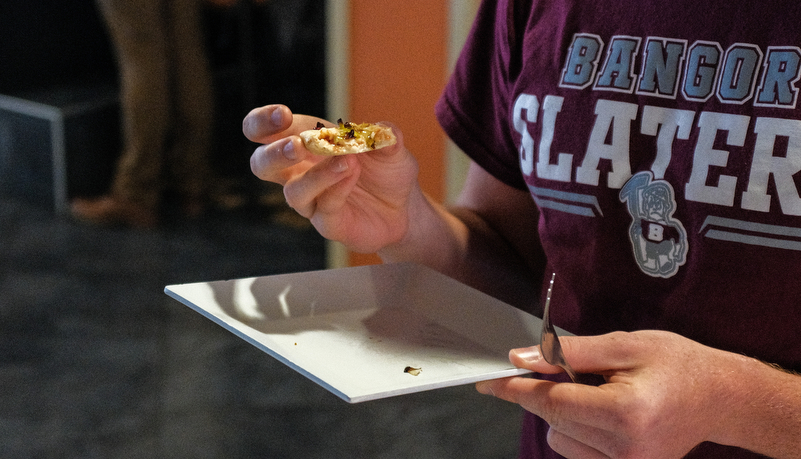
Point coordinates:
[(277, 117), (484, 388), (339, 164), (529, 354), (289, 151)]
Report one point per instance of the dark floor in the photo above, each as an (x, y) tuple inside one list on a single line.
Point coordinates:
[(96, 362)]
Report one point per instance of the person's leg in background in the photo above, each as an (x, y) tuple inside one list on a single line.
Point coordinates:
[(138, 32), (189, 153)]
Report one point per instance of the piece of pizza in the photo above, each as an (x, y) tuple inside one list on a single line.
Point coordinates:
[(347, 138)]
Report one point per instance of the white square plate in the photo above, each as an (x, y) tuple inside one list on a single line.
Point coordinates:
[(360, 331)]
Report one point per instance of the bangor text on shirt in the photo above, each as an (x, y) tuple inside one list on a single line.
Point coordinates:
[(672, 68)]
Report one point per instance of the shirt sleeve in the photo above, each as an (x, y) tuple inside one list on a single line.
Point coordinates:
[(475, 108)]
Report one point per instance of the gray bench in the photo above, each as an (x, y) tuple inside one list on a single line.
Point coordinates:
[(59, 143)]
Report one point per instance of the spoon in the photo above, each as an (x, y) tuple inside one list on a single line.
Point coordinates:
[(549, 340)]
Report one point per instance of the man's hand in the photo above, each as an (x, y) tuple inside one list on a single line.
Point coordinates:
[(360, 200), (664, 394)]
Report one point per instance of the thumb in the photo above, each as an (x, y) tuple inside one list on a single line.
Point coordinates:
[(531, 358), (586, 354)]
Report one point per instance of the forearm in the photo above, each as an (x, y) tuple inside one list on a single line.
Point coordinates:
[(766, 411), (462, 244)]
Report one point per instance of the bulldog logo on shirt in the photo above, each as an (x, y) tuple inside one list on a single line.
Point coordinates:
[(659, 241)]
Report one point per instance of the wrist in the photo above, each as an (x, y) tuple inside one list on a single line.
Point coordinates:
[(431, 237), (763, 406)]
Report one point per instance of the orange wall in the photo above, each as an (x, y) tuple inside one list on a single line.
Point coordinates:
[(397, 72)]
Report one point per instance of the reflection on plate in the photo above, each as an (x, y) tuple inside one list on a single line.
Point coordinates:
[(370, 332)]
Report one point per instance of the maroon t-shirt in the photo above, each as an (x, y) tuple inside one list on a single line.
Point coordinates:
[(661, 142)]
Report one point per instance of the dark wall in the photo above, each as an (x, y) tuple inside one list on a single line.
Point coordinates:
[(283, 53), (52, 42)]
